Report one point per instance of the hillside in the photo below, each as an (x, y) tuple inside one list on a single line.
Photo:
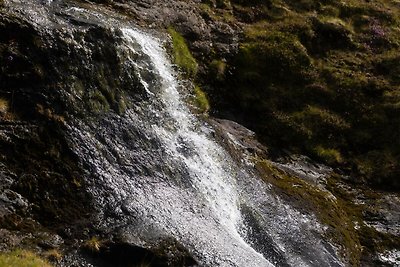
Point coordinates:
[(314, 77)]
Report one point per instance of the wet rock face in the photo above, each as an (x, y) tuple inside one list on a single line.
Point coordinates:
[(42, 182)]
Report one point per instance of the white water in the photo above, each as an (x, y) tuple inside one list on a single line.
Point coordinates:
[(214, 180), (208, 165)]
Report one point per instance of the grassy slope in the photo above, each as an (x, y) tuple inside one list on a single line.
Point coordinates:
[(318, 77), (21, 258)]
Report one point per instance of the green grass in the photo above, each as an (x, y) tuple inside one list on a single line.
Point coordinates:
[(181, 54), (22, 258)]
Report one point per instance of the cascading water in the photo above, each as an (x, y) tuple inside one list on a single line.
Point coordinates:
[(205, 213), (183, 139), (155, 170)]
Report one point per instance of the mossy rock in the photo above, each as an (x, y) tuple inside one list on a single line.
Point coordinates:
[(313, 199), (201, 100), (182, 56)]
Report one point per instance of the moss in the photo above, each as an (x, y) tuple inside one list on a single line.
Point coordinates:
[(181, 54), (49, 114), (225, 4), (318, 75), (22, 258), (201, 100), (328, 210), (331, 33), (313, 113)]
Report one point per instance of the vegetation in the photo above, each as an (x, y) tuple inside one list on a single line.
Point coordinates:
[(181, 54), (319, 78), (93, 245), (5, 113), (22, 258), (201, 100), (188, 65), (3, 106)]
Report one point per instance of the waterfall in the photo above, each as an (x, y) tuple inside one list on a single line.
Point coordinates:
[(172, 179), (205, 162), (187, 140), (154, 169)]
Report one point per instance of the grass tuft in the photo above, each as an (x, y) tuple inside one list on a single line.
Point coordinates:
[(93, 245), (329, 155), (3, 106)]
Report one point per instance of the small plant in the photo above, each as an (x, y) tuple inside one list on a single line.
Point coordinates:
[(181, 54), (5, 110), (22, 258), (330, 155), (93, 245), (3, 106), (218, 68)]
